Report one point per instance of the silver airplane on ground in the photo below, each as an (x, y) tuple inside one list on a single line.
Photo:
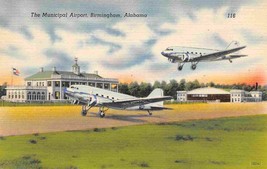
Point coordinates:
[(89, 96), (182, 55)]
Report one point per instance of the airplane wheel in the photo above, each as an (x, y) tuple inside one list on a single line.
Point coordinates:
[(102, 114), (84, 112), (150, 114), (180, 68), (194, 67)]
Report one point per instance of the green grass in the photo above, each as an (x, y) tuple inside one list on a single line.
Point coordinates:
[(230, 143)]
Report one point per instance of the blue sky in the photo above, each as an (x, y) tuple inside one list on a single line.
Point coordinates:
[(129, 48)]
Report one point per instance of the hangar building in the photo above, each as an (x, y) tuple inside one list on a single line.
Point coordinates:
[(209, 94), (204, 95)]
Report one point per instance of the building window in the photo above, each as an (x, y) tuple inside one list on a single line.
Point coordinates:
[(57, 83), (99, 85), (43, 96), (65, 84), (74, 83), (29, 96), (33, 96), (91, 84), (57, 95), (106, 86), (49, 83), (38, 96), (114, 87)]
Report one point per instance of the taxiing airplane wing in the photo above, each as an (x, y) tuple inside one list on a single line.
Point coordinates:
[(135, 102), (217, 55)]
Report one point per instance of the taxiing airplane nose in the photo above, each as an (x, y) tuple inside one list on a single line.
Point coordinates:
[(163, 53)]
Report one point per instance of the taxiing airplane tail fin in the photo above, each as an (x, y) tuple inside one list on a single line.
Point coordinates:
[(156, 93), (233, 44)]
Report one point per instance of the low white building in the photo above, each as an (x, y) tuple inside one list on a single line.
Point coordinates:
[(237, 95), (50, 85), (244, 96), (256, 95), (181, 96)]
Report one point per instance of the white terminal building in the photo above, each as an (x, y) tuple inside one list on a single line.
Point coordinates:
[(49, 85), (211, 94)]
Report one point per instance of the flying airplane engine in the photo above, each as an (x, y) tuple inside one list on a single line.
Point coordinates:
[(171, 60), (187, 57)]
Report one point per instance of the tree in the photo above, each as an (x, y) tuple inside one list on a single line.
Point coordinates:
[(172, 88), (3, 89), (145, 89), (134, 89), (124, 88), (196, 84), (182, 84), (163, 85), (156, 84)]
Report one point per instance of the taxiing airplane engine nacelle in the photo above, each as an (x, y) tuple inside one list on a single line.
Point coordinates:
[(92, 101), (75, 102)]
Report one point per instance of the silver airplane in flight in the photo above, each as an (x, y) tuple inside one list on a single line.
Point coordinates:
[(182, 55)]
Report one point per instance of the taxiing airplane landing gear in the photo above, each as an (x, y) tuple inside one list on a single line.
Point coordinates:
[(230, 61), (102, 114), (102, 111), (84, 110), (150, 113)]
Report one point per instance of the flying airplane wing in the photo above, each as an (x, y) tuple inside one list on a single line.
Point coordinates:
[(217, 55), (134, 102)]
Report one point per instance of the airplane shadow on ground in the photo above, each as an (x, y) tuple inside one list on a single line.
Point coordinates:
[(129, 118)]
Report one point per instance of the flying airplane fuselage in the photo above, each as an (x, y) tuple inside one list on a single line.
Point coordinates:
[(185, 54), (181, 55)]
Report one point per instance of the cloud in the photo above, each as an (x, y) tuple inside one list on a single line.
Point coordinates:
[(131, 47)]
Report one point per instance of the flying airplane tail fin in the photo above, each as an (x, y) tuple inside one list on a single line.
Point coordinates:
[(233, 44), (156, 93)]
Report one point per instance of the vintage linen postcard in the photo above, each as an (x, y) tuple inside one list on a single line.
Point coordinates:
[(133, 84)]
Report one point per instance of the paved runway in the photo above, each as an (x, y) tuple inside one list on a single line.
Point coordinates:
[(43, 119)]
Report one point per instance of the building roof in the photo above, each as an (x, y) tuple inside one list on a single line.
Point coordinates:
[(208, 90), (236, 91), (48, 75)]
